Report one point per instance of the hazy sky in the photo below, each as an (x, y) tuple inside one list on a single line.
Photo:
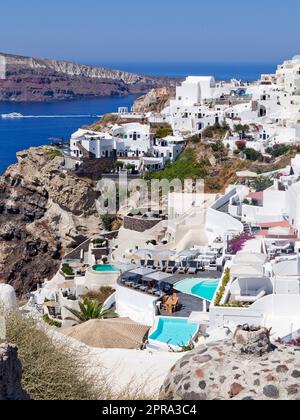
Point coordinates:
[(152, 31)]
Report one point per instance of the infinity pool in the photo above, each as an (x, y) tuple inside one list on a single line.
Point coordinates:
[(174, 331), (203, 288), (104, 268)]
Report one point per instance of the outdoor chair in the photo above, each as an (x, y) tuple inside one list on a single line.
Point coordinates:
[(162, 266), (193, 267), (183, 268), (171, 268), (150, 264)]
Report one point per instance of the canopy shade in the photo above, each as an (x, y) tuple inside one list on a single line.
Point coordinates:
[(119, 333), (249, 258), (255, 270), (158, 276)]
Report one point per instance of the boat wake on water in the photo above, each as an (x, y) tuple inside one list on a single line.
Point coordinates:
[(18, 116)]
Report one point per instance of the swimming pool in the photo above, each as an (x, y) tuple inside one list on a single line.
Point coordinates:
[(203, 288), (104, 268), (174, 331)]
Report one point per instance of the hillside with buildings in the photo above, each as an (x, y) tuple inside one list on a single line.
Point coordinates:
[(194, 289)]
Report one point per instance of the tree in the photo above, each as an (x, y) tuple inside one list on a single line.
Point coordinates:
[(242, 129), (118, 164), (130, 167), (278, 150), (90, 309), (262, 183), (252, 154), (107, 220), (163, 132)]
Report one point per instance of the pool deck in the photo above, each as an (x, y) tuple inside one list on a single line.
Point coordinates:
[(189, 303)]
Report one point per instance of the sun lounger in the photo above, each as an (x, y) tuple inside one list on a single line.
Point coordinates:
[(193, 267), (150, 264), (171, 268), (162, 266), (143, 288), (183, 268), (129, 284)]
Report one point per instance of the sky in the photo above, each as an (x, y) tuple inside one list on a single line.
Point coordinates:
[(110, 31)]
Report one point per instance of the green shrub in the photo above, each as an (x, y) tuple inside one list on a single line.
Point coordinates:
[(220, 293), (67, 270), (262, 183), (164, 132), (252, 154), (52, 322), (187, 166), (107, 220), (53, 153)]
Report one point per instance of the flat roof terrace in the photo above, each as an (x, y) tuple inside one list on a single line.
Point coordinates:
[(188, 302)]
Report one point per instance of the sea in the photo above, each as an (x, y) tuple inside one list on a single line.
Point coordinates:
[(44, 121)]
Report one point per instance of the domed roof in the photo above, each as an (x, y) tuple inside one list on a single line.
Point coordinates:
[(7, 296)]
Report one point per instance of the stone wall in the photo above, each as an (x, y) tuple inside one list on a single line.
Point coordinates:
[(139, 225), (10, 374), (245, 368)]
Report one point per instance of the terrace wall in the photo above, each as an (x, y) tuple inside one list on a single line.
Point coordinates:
[(139, 225)]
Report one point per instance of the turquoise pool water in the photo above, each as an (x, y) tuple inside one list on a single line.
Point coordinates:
[(203, 288), (174, 331), (105, 268)]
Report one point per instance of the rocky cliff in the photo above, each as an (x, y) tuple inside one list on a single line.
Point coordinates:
[(44, 211), (155, 100), (37, 79), (10, 374)]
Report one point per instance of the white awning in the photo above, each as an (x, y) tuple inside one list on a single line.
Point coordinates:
[(249, 258), (239, 271)]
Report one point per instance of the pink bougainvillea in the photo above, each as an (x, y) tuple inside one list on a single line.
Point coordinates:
[(237, 244), (294, 343)]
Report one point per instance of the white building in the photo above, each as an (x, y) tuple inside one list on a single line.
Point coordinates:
[(132, 143)]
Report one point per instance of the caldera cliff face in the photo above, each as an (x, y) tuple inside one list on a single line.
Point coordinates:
[(44, 211)]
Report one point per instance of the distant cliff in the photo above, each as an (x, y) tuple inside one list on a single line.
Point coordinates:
[(37, 79)]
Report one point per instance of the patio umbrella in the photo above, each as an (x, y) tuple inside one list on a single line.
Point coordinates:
[(119, 333)]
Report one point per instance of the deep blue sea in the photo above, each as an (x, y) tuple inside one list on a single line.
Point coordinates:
[(48, 120), (61, 119), (221, 71)]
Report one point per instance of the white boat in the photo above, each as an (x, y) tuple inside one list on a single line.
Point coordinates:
[(12, 115)]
